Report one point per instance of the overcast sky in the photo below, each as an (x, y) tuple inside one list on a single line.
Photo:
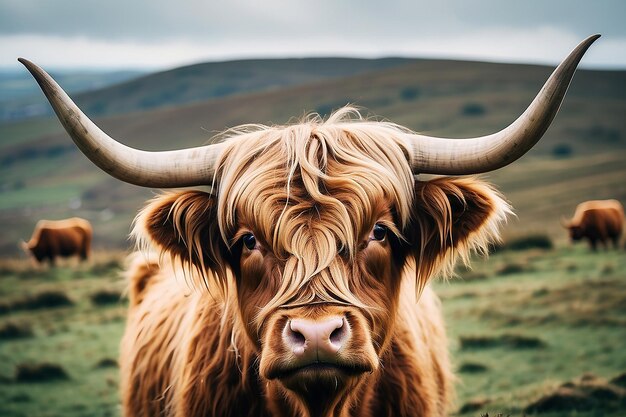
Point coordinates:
[(159, 34)]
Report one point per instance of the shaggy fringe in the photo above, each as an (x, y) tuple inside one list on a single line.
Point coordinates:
[(319, 160)]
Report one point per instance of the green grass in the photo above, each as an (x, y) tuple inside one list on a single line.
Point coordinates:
[(74, 337), (571, 300)]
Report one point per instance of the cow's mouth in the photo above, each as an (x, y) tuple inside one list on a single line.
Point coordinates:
[(319, 370)]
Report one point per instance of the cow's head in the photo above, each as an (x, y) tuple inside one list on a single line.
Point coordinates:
[(313, 225), (574, 229), (30, 251), (317, 223), (575, 233), (24, 246)]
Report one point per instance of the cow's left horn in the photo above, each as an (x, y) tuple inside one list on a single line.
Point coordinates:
[(165, 169), (482, 154)]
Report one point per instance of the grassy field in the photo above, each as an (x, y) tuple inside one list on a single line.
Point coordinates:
[(525, 324), (533, 332), (70, 318)]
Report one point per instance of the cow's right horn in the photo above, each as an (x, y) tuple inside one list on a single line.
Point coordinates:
[(433, 155), (165, 169)]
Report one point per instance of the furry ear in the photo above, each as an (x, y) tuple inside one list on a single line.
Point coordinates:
[(184, 225), (451, 218)]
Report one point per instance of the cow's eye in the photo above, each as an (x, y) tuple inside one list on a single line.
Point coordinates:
[(249, 240), (379, 232)]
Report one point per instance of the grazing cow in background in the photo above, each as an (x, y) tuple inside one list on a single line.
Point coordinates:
[(597, 221), (53, 239), (310, 256)]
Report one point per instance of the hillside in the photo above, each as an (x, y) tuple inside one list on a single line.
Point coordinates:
[(205, 81), (20, 98), (115, 92), (582, 156)]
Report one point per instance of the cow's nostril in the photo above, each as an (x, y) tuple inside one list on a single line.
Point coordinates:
[(338, 336), (294, 337)]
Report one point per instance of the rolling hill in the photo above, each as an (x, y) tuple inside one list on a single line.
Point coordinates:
[(20, 98), (205, 81), (582, 156)]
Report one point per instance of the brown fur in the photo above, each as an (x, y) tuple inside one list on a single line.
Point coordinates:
[(60, 238), (597, 221), (311, 194)]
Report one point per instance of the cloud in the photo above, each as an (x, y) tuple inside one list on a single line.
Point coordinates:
[(81, 52), (153, 20), (543, 45), (163, 33), (158, 20)]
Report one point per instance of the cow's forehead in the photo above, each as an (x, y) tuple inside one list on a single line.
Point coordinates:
[(333, 179), (333, 208)]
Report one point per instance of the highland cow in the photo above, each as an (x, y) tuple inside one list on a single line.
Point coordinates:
[(54, 239), (598, 221), (310, 259)]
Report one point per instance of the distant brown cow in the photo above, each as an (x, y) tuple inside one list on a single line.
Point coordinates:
[(60, 238), (597, 221)]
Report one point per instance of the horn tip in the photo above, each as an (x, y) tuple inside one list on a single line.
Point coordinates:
[(580, 50), (593, 38), (30, 66)]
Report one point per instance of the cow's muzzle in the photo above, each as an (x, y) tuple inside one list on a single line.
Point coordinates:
[(316, 348), (332, 347)]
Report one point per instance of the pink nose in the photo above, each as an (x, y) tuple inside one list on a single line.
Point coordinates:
[(316, 340)]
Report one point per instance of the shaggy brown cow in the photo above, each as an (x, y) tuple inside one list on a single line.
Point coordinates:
[(313, 248), (59, 238), (597, 221)]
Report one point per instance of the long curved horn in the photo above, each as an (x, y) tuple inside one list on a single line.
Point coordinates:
[(165, 169), (433, 155)]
